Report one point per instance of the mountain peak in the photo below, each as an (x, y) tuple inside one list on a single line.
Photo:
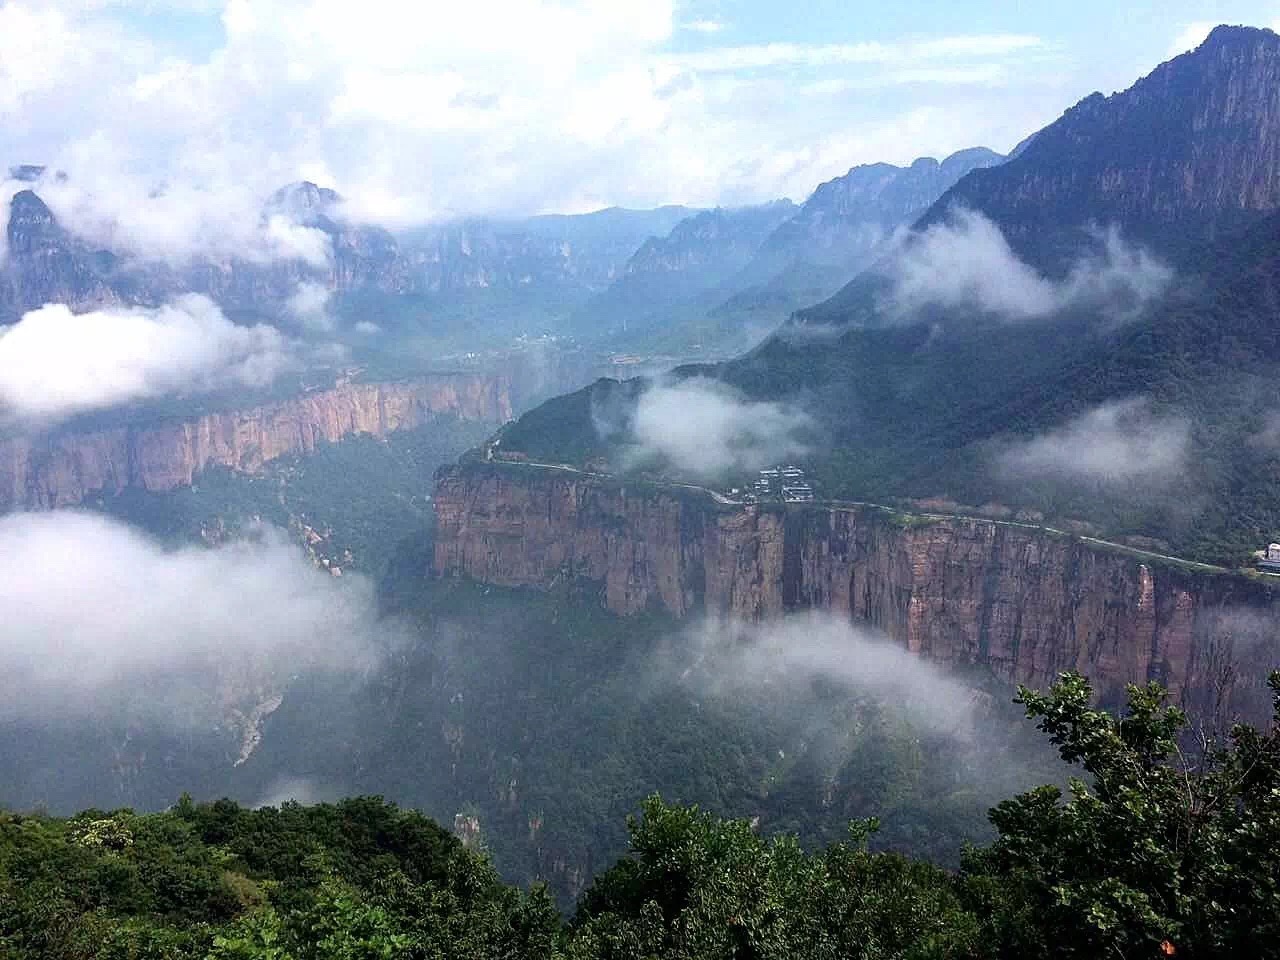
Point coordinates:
[(27, 172), (1231, 35), (31, 222), (1186, 152), (27, 203), (303, 201)]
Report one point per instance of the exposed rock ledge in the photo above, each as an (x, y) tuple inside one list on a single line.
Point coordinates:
[(1026, 602), (61, 469)]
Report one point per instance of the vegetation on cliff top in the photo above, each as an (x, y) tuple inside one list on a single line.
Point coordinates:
[(929, 409), (1148, 855)]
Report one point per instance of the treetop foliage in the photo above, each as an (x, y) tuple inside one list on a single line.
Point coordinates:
[(1162, 847)]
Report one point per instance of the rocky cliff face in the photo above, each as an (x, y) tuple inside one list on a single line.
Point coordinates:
[(42, 263), (62, 469), (684, 273), (1196, 144), (875, 198), (1024, 602)]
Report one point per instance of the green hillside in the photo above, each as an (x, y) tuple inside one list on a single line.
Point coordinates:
[(924, 410), (1152, 855)]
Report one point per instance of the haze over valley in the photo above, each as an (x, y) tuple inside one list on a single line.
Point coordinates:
[(431, 437)]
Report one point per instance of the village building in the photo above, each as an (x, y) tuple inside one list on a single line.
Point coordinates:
[(786, 483)]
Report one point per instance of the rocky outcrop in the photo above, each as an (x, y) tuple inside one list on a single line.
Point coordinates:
[(1195, 144), (62, 469), (1023, 601), (1189, 154), (42, 263)]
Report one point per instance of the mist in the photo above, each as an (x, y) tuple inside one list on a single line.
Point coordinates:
[(848, 702), (779, 659), (98, 616), (309, 306), (1120, 441), (966, 262), (706, 428), (55, 363), (175, 222)]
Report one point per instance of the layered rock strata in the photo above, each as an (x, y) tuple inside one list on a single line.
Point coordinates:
[(63, 468), (1023, 601)]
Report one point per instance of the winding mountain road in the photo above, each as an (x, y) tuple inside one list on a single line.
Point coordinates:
[(723, 500)]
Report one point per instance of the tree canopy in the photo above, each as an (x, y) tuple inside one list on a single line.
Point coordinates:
[(1165, 845)]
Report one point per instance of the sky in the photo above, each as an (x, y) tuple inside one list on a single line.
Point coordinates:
[(172, 118)]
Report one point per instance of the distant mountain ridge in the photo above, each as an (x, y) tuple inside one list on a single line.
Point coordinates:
[(1189, 152), (929, 404), (722, 272), (564, 258), (663, 277), (842, 226), (1210, 164)]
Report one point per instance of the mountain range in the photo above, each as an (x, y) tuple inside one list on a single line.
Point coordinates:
[(841, 228), (1086, 332), (1035, 420), (626, 278)]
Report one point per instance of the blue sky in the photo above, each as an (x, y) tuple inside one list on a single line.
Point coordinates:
[(418, 111)]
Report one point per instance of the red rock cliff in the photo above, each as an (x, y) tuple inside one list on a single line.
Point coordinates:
[(62, 469), (1023, 601)]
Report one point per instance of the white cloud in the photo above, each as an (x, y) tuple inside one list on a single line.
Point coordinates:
[(1121, 441), (966, 262), (420, 112), (705, 428), (367, 327), (749, 661), (309, 305), (55, 363), (290, 241), (94, 611), (1191, 36), (982, 74), (703, 26), (816, 55)]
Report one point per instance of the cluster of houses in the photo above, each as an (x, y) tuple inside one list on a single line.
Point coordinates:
[(786, 483), (1269, 560)]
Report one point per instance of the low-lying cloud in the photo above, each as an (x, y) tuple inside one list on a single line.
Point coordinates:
[(1121, 441), (309, 306), (96, 614), (706, 428), (55, 363), (174, 223), (966, 262), (287, 240), (776, 659)]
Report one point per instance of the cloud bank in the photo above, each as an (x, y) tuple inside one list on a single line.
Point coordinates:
[(777, 659), (96, 613), (417, 113), (1122, 441), (55, 363), (706, 428), (309, 306), (966, 262)]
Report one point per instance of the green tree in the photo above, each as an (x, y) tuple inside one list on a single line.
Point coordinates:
[(1155, 854)]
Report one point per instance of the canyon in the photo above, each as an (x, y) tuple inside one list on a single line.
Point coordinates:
[(1025, 602), (63, 468)]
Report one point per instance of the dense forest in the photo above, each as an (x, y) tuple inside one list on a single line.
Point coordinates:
[(1153, 851)]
